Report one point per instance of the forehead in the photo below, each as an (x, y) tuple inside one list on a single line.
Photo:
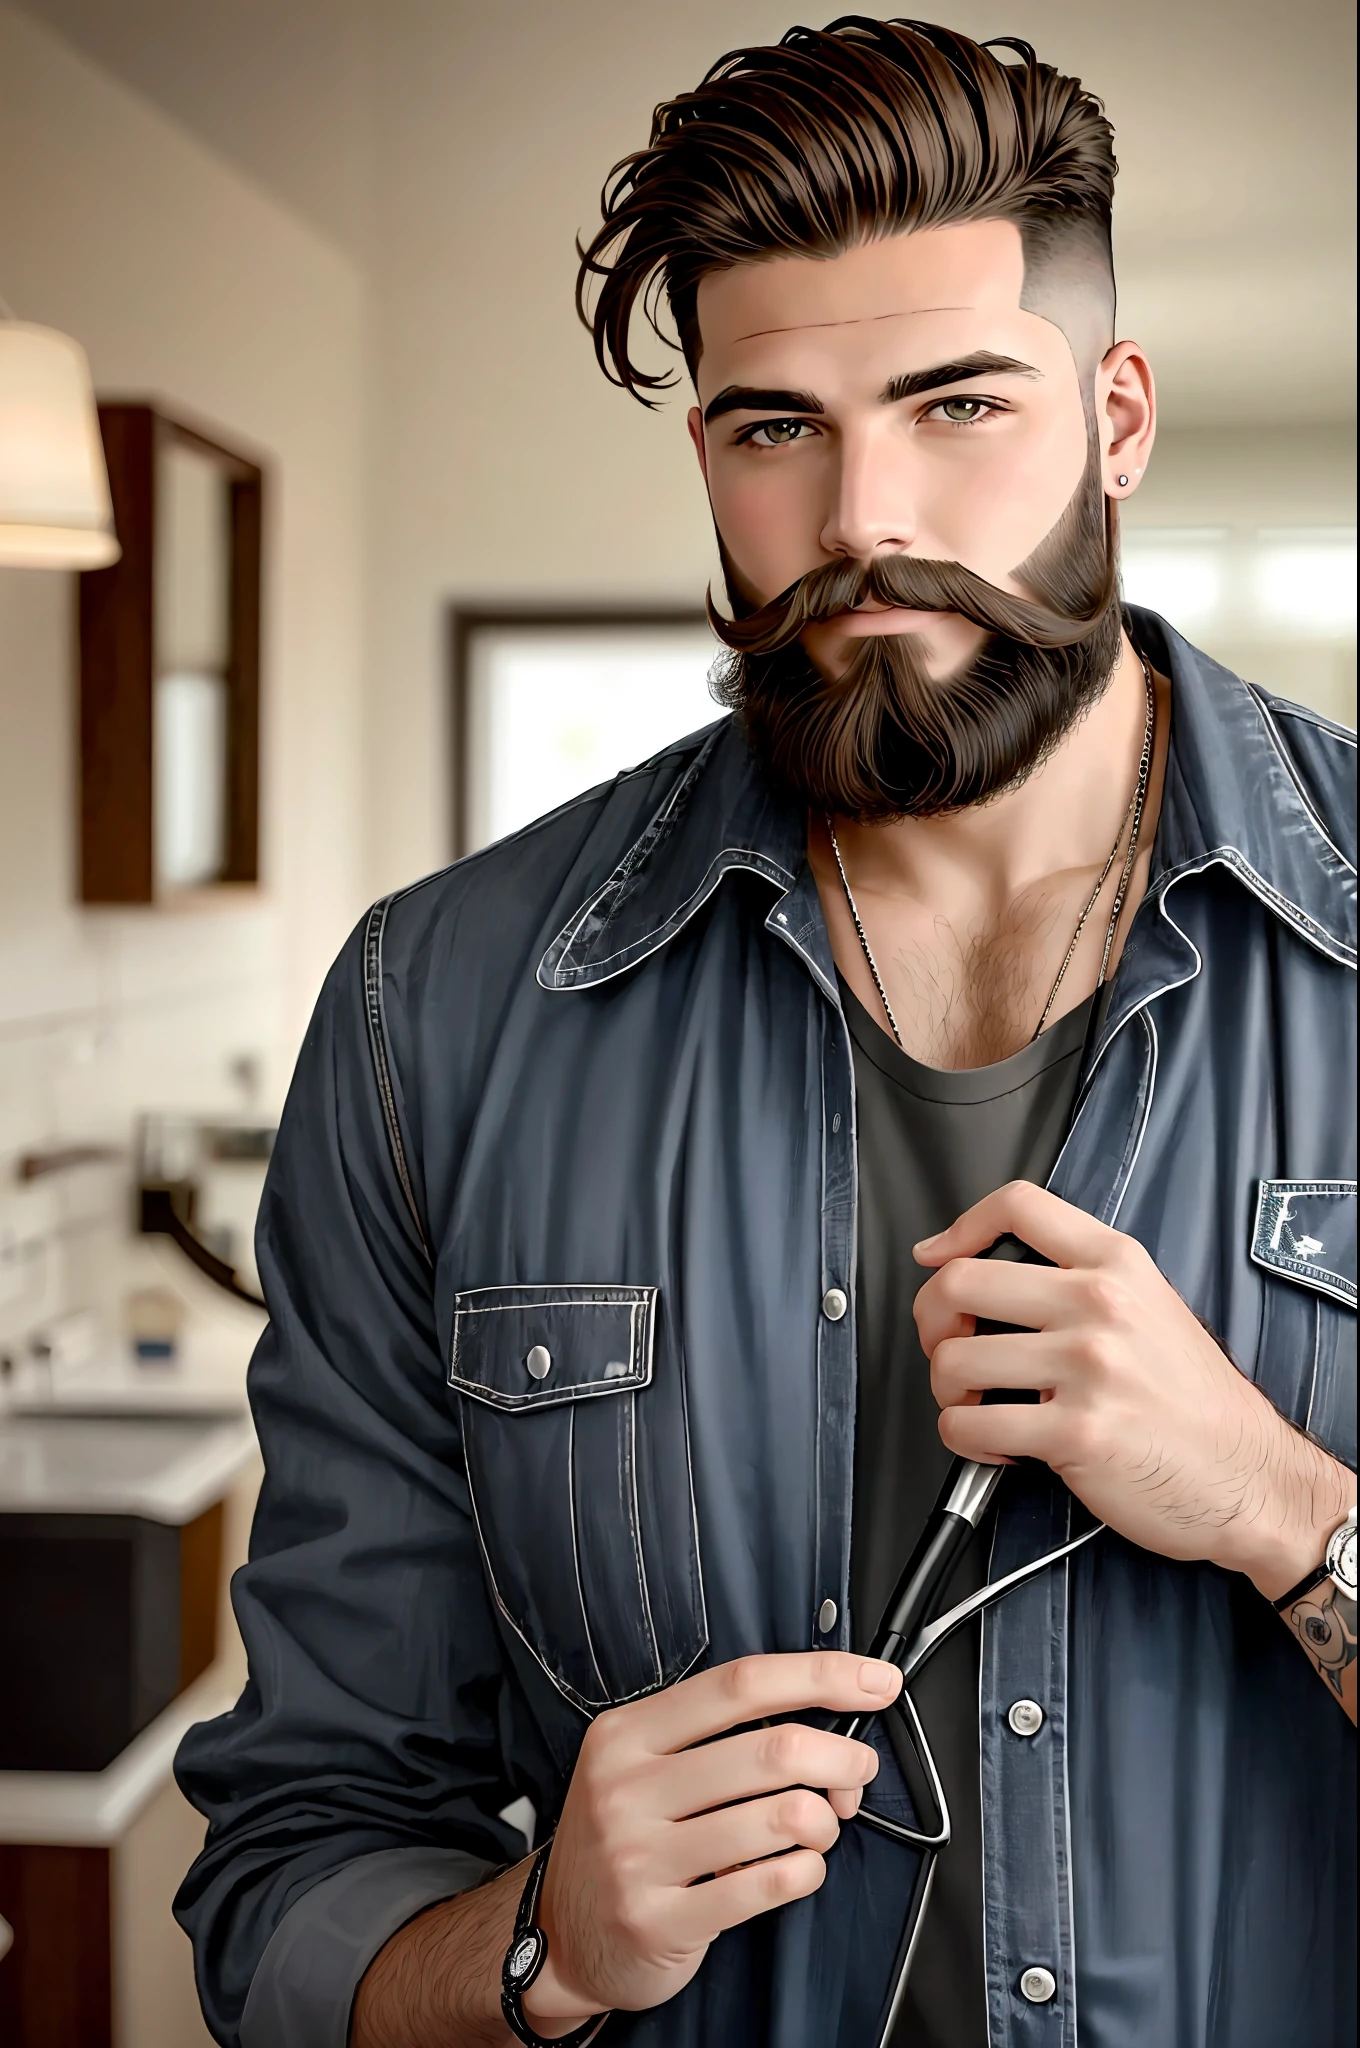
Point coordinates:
[(903, 301)]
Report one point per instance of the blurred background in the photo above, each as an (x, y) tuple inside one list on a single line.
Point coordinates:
[(400, 569)]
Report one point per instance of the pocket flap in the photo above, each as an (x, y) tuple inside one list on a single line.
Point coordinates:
[(533, 1347), (1305, 1229)]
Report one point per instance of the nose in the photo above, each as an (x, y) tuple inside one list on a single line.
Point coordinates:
[(870, 511)]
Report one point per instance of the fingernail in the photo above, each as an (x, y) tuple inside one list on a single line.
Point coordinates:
[(879, 1677), (924, 1244)]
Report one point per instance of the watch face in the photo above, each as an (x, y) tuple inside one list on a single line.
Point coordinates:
[(522, 1958), (1341, 1557)]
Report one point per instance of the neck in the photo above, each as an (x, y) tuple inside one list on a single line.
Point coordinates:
[(1064, 816)]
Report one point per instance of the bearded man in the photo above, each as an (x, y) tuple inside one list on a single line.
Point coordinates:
[(624, 1242)]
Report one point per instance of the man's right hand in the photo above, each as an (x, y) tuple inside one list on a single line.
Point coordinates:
[(656, 1804)]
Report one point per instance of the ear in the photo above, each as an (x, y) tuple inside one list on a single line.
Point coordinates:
[(694, 420), (1126, 415)]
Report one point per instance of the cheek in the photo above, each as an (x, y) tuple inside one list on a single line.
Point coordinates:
[(768, 523), (994, 513)]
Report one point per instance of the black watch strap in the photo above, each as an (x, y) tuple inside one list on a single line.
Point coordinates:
[(1338, 1565), (524, 1959), (1308, 1585)]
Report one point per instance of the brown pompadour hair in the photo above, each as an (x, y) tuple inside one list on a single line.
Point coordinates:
[(833, 137)]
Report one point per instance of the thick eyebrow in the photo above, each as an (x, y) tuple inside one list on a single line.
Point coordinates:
[(745, 398), (984, 364), (911, 383)]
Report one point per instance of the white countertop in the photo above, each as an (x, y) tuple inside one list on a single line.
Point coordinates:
[(167, 1469), (95, 1808)]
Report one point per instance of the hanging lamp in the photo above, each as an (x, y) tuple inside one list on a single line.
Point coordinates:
[(55, 509)]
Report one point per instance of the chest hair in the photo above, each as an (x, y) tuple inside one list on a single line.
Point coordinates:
[(970, 995)]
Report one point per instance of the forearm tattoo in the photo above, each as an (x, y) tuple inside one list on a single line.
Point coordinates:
[(1324, 1622)]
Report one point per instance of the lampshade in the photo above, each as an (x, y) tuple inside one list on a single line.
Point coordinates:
[(55, 511)]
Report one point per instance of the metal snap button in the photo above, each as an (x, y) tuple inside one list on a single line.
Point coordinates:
[(539, 1362), (1038, 1985), (834, 1303), (1026, 1717), (828, 1614)]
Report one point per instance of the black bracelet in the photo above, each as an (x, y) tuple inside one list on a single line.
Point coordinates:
[(524, 1960)]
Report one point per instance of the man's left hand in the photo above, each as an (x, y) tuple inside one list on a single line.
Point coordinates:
[(1141, 1414)]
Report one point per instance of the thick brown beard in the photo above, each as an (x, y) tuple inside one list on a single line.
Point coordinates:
[(885, 741)]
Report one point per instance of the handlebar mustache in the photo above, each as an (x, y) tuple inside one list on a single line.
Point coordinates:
[(915, 584)]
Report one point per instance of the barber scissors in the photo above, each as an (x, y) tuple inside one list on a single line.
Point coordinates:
[(913, 1628)]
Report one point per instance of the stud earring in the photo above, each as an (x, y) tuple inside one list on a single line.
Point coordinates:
[(1121, 480)]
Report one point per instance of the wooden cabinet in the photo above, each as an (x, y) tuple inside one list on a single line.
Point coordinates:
[(91, 1860), (55, 1896), (107, 1618)]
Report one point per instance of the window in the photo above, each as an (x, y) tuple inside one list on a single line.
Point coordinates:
[(548, 704), (1276, 604)]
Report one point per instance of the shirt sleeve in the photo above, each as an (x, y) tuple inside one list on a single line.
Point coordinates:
[(304, 1984), (360, 1775)]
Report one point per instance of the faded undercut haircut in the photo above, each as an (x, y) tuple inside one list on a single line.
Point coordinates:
[(834, 137)]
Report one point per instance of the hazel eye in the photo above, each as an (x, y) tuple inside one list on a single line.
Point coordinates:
[(962, 412), (777, 433)]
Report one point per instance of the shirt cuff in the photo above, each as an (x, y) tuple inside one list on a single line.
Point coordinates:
[(304, 1983)]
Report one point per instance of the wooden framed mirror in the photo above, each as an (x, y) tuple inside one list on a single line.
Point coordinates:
[(170, 668)]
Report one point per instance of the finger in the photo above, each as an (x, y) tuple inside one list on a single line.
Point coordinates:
[(1036, 1297), (754, 1689), (844, 1804), (761, 1760), (1039, 1219), (961, 1366), (697, 1915), (991, 1435), (747, 1833)]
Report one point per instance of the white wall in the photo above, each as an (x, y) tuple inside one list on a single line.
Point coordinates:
[(187, 283), (280, 90)]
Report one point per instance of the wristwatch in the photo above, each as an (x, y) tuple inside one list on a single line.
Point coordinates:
[(524, 1959), (1339, 1564)]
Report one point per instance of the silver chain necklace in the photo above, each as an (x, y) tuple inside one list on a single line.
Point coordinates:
[(1132, 820)]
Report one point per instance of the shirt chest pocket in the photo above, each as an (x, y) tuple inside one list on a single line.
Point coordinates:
[(579, 1470), (1304, 1239)]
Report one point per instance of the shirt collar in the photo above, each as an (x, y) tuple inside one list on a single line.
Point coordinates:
[(1231, 798), (721, 814), (1234, 798)]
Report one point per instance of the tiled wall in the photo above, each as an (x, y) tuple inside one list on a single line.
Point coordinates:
[(103, 1014)]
